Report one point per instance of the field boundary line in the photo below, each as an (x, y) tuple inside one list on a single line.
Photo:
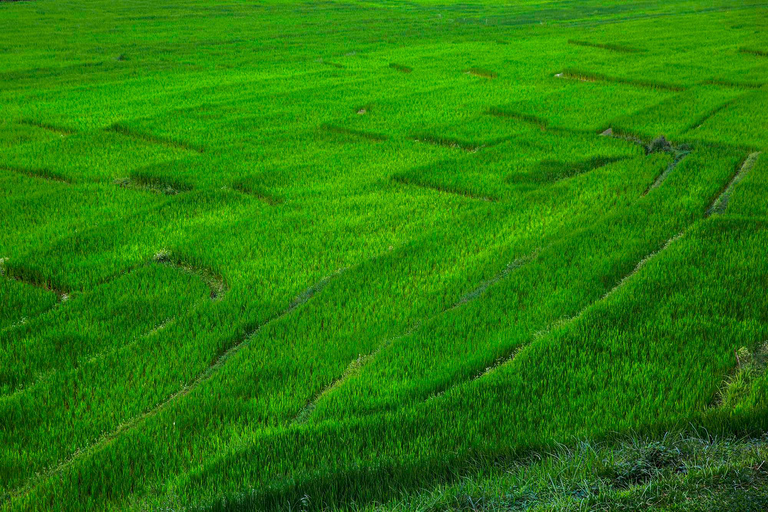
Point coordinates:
[(356, 365), (400, 68), (589, 76), (215, 283), (40, 174), (752, 51), (503, 360), (604, 46), (677, 160), (59, 130), (203, 376), (123, 130), (61, 297), (720, 204), (259, 195), (443, 190), (482, 73), (733, 83), (699, 122), (331, 128)]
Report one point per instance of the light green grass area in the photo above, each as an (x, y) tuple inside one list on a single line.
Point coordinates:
[(383, 255)]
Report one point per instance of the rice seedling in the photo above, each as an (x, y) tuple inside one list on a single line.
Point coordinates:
[(383, 255)]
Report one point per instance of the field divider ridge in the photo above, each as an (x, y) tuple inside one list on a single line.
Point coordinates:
[(720, 204), (153, 139), (510, 356), (203, 376), (356, 365)]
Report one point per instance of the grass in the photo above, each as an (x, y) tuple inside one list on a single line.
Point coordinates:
[(634, 473), (378, 256)]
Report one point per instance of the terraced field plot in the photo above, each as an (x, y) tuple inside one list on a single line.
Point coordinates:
[(341, 255)]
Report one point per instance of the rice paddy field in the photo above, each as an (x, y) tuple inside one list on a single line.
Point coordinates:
[(383, 255)]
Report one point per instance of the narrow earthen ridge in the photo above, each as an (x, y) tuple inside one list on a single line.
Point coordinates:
[(45, 285), (203, 376), (751, 51), (485, 285), (733, 83), (332, 64), (61, 297), (749, 364), (443, 190), (482, 73), (400, 68), (215, 282), (501, 361), (610, 47), (154, 185), (146, 137), (720, 204), (375, 137), (261, 195), (357, 365), (41, 174), (610, 132), (588, 76), (448, 142), (698, 123), (665, 174), (527, 118), (60, 130)]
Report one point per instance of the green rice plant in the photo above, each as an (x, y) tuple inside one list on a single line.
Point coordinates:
[(246, 263)]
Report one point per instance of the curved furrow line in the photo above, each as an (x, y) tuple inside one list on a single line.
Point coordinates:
[(61, 296), (47, 375), (153, 139), (41, 174), (202, 377), (720, 204), (403, 180), (60, 130), (362, 360), (679, 157), (510, 356)]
